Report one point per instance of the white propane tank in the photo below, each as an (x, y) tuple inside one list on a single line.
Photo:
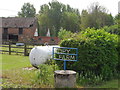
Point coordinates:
[(40, 54)]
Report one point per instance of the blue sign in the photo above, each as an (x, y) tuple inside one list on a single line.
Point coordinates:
[(65, 54)]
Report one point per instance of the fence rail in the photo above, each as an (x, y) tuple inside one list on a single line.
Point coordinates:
[(10, 51), (13, 49)]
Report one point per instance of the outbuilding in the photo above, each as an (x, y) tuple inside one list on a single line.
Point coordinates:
[(18, 29)]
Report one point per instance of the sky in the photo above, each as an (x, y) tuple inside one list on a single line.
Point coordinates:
[(10, 8)]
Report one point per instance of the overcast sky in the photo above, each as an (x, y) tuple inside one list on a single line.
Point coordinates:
[(10, 8)]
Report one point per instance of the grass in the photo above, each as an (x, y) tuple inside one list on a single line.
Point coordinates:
[(14, 62), (14, 76), (110, 84), (12, 71)]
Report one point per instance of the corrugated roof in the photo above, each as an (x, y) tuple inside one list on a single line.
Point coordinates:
[(19, 22)]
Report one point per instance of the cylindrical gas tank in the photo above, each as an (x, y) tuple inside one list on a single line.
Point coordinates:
[(40, 54)]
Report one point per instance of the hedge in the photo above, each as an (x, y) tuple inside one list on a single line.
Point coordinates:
[(97, 53)]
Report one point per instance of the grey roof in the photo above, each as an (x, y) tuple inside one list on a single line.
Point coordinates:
[(18, 22)]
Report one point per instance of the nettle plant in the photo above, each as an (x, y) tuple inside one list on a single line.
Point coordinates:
[(97, 53)]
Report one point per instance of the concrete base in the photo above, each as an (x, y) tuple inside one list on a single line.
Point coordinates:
[(65, 78)]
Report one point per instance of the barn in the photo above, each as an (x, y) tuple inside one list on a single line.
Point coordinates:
[(18, 28), (23, 29)]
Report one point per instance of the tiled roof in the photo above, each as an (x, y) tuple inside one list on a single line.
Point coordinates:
[(19, 22)]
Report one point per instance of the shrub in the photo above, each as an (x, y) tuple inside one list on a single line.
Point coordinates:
[(113, 29), (97, 53), (45, 74), (63, 33)]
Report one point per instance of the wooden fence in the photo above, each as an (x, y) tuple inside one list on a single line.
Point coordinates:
[(11, 48)]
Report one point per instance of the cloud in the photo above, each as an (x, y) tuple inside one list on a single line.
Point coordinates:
[(119, 7)]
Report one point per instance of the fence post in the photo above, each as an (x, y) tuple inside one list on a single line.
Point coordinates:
[(9, 48), (25, 50)]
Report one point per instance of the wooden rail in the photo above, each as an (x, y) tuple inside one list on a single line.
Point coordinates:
[(9, 49)]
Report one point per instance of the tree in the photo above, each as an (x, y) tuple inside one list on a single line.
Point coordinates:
[(49, 17), (96, 17), (114, 29), (84, 19), (44, 24), (117, 19), (70, 21), (44, 9), (27, 10), (55, 15)]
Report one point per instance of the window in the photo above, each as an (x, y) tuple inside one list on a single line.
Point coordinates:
[(31, 25), (52, 39), (5, 30), (20, 31), (40, 39)]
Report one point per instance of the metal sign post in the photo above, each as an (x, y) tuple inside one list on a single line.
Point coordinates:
[(64, 65), (65, 54)]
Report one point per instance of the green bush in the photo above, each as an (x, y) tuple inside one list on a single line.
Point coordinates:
[(113, 29), (45, 74), (97, 53), (63, 34)]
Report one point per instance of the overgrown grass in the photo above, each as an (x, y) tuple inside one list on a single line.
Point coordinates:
[(12, 71), (14, 74), (96, 82), (109, 84)]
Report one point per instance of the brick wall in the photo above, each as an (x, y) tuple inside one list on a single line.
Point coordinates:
[(26, 35), (0, 35), (13, 31)]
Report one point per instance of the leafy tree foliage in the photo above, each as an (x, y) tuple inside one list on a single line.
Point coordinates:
[(117, 19), (64, 34), (27, 10), (84, 19), (96, 17), (70, 21), (55, 15), (114, 29)]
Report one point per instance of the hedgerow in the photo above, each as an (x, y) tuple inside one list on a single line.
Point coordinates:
[(113, 29), (97, 53)]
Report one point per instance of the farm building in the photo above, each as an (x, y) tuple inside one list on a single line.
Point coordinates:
[(20, 29)]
